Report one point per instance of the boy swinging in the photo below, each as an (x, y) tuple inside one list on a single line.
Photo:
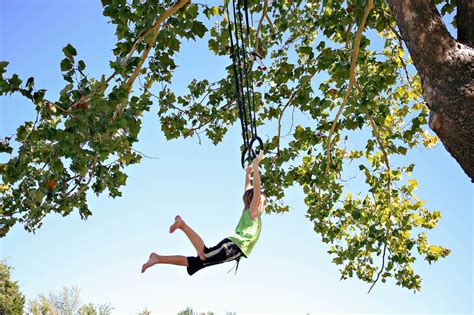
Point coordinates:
[(231, 248)]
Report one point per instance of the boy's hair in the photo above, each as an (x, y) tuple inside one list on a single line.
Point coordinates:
[(248, 196)]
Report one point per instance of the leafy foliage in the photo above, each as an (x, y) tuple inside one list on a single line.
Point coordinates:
[(91, 309), (190, 311), (338, 65), (12, 300), (65, 302)]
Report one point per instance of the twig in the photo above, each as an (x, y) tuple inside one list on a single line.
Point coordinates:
[(88, 96), (202, 4), (348, 180), (144, 155), (400, 42), (389, 189), (72, 177), (404, 65), (400, 38), (91, 175), (33, 128), (270, 23), (190, 131), (155, 96), (292, 122), (355, 53), (290, 101), (62, 109), (356, 84), (348, 34)]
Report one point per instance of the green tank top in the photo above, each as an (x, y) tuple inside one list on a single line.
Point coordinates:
[(247, 232)]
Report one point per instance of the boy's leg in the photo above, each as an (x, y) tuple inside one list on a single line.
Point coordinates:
[(195, 239), (223, 252), (158, 259)]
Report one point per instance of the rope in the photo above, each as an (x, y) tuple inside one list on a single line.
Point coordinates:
[(244, 58), (240, 63), (241, 104), (251, 72)]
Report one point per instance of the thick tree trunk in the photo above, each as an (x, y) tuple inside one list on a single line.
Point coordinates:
[(465, 22), (446, 68)]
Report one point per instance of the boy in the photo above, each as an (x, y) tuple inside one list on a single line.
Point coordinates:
[(231, 248)]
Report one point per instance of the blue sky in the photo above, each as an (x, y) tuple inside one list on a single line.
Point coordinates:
[(289, 269)]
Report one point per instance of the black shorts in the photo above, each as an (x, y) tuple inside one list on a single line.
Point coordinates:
[(223, 252)]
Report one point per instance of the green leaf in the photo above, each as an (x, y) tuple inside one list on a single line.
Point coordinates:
[(3, 66), (5, 147), (39, 96), (70, 52), (66, 89), (413, 183), (66, 65), (402, 150), (15, 82), (30, 83), (199, 29), (215, 10), (356, 214), (81, 65)]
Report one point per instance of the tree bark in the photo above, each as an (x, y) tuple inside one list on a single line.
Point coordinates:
[(465, 22), (446, 69)]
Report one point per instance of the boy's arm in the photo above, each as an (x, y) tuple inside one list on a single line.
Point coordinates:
[(262, 204), (248, 171), (254, 205)]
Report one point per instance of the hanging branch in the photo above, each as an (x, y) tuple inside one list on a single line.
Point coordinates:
[(389, 190), (120, 108), (389, 185), (355, 54), (104, 85), (154, 31)]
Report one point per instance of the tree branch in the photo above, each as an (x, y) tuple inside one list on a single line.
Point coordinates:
[(465, 21), (154, 30), (264, 13), (355, 54), (389, 190), (270, 23), (424, 33)]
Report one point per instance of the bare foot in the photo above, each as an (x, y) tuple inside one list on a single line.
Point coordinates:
[(154, 259), (178, 223)]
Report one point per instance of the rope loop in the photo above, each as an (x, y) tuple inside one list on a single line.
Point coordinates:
[(242, 63)]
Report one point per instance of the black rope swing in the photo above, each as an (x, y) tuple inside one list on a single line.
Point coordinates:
[(243, 80)]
